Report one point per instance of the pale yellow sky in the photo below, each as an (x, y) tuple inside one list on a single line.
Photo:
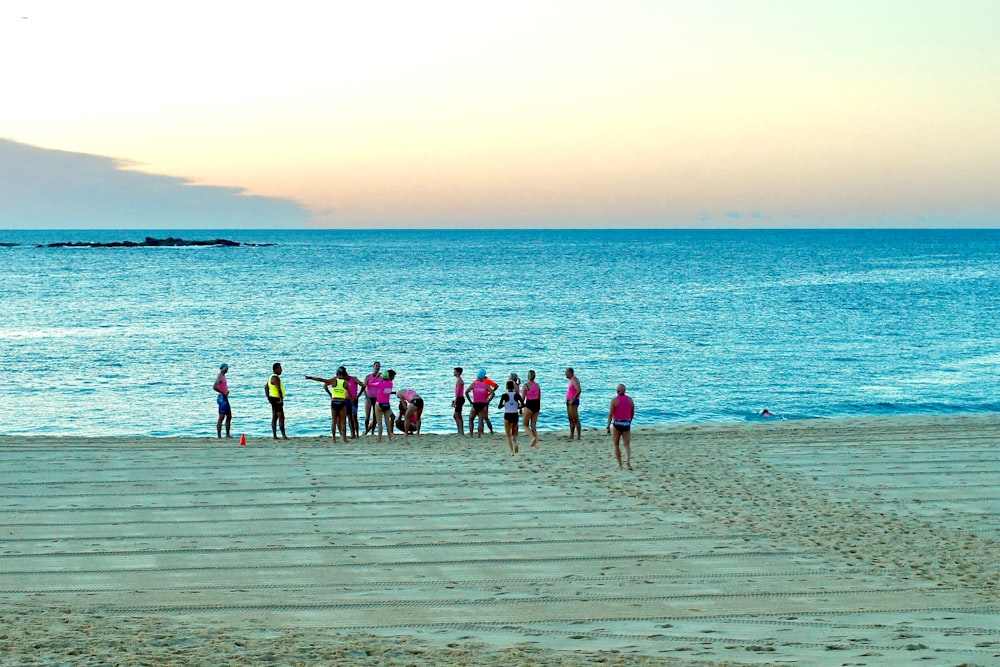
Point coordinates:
[(663, 112)]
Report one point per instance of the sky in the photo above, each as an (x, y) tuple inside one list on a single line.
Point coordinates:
[(459, 113)]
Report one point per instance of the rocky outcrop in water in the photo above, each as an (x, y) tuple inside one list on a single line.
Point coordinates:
[(150, 242)]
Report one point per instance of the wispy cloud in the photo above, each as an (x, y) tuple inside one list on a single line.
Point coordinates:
[(50, 189)]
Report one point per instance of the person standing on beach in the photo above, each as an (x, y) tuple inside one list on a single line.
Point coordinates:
[(275, 392), (511, 402), (225, 409), (459, 401), (337, 388), (371, 383), (353, 387), (479, 394), (493, 392), (620, 416), (532, 395), (383, 407), (573, 392)]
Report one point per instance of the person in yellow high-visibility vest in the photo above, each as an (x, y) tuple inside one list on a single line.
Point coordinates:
[(337, 388), (275, 392)]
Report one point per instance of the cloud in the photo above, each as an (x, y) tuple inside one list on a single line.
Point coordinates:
[(50, 189)]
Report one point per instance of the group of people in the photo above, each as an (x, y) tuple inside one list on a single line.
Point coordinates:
[(520, 403)]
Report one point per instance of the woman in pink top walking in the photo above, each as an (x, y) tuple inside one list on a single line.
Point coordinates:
[(620, 416), (532, 406)]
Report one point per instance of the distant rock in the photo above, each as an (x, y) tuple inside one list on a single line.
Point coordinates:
[(150, 242)]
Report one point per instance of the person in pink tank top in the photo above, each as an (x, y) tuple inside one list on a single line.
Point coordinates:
[(383, 406), (573, 391), (620, 416), (221, 387), (480, 394), (532, 395), (353, 391), (411, 411), (370, 385)]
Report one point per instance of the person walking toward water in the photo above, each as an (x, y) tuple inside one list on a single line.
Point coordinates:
[(275, 392), (479, 394), (225, 410), (371, 383), (573, 392), (532, 395), (511, 402), (620, 416)]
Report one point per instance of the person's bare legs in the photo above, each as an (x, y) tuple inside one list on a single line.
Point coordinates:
[(484, 416), (573, 415), (515, 428), (509, 432), (369, 409), (386, 416), (627, 443), (530, 421), (411, 410), (340, 416), (278, 421), (615, 437)]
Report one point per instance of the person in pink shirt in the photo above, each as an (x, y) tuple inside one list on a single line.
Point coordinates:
[(479, 394), (620, 416), (532, 395), (573, 391), (383, 405), (221, 387), (370, 385), (411, 411), (353, 390)]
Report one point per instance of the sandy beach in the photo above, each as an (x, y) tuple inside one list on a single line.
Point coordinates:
[(830, 542)]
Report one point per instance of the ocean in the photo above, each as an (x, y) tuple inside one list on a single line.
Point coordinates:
[(702, 326)]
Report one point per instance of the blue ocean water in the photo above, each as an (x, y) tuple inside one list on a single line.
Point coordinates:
[(700, 325)]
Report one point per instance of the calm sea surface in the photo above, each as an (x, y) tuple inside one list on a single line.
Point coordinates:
[(700, 325)]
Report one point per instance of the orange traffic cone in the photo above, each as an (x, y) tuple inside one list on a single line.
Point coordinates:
[(243, 439)]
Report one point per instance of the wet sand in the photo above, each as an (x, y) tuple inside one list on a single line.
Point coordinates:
[(833, 542)]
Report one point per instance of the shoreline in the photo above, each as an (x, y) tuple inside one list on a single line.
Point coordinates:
[(555, 432), (859, 540)]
